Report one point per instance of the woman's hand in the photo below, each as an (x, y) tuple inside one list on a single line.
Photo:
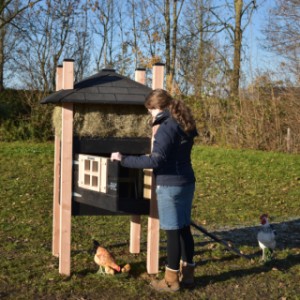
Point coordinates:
[(116, 156)]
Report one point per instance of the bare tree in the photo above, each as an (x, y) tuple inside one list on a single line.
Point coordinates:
[(195, 47), (82, 44), (144, 33), (235, 26), (9, 12), (10, 9), (133, 14), (162, 26), (171, 13), (103, 26), (282, 33), (48, 35)]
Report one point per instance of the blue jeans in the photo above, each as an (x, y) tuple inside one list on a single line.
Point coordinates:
[(175, 205)]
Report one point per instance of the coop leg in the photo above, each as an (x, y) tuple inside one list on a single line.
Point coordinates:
[(56, 200), (135, 234), (66, 189)]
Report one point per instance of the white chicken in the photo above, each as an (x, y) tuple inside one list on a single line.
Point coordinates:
[(266, 238)]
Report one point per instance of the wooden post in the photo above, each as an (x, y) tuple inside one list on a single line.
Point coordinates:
[(135, 234), (59, 78), (56, 180), (140, 75), (66, 173), (135, 223), (288, 140), (153, 221)]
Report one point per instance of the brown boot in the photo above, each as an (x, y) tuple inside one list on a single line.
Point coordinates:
[(186, 276), (169, 284)]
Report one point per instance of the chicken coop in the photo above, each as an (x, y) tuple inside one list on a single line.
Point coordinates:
[(108, 116), (92, 118)]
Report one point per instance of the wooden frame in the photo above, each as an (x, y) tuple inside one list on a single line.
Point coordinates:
[(63, 172)]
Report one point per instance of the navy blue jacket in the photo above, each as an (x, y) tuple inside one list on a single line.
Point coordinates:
[(170, 158)]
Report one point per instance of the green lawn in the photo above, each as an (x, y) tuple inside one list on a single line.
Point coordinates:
[(236, 186), (233, 188)]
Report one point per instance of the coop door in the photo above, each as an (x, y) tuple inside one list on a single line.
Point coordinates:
[(93, 173)]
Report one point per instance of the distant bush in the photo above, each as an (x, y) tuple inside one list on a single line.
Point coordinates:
[(22, 117), (265, 118), (268, 118)]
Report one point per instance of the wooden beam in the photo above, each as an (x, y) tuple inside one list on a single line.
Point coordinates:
[(68, 74), (56, 198), (66, 189), (56, 178), (140, 75), (153, 221), (158, 76), (135, 234), (59, 78), (66, 173), (135, 223)]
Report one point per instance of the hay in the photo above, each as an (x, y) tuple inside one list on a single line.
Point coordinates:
[(56, 119), (107, 121)]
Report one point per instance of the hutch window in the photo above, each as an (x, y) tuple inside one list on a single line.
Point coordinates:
[(93, 173)]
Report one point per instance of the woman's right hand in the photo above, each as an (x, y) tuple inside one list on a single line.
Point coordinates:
[(116, 156)]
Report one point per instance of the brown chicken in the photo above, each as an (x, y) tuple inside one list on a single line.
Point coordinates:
[(105, 260)]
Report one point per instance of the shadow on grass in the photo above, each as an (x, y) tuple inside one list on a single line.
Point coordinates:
[(279, 264), (288, 235)]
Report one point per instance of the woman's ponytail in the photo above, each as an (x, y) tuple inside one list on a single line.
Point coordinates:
[(161, 99), (182, 114)]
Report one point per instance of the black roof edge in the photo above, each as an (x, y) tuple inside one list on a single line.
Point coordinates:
[(108, 69)]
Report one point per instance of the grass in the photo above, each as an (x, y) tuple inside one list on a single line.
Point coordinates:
[(236, 186), (233, 188)]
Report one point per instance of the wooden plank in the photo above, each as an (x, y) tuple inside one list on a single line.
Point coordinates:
[(56, 178), (104, 174), (140, 76), (66, 189), (158, 76), (59, 78), (153, 221), (153, 227), (68, 74), (135, 223), (135, 234), (66, 172), (56, 198)]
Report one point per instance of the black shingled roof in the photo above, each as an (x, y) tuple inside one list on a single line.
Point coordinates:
[(106, 86)]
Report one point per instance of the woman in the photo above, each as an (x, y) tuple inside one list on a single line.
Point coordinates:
[(170, 160)]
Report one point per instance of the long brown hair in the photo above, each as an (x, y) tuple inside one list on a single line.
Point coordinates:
[(161, 99)]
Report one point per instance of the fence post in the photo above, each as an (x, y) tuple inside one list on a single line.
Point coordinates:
[(288, 140)]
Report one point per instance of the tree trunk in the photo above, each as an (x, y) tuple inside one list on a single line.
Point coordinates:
[(168, 35), (174, 44), (235, 77), (2, 58), (200, 73)]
